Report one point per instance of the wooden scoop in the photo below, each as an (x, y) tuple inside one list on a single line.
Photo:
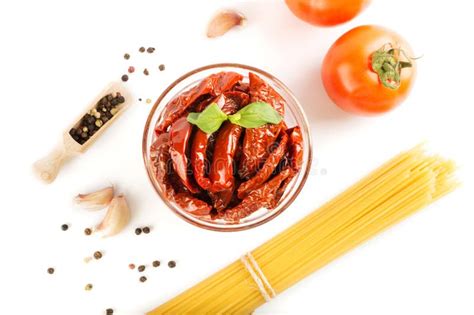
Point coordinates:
[(48, 168)]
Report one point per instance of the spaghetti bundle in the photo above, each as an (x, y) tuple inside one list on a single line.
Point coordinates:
[(397, 189)]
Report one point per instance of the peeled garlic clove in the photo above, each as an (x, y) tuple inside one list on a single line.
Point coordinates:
[(116, 218), (223, 22), (95, 200)]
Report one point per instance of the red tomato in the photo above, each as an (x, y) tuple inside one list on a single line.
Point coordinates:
[(326, 12), (368, 70)]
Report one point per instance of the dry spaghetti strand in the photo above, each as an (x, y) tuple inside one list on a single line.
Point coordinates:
[(402, 186)]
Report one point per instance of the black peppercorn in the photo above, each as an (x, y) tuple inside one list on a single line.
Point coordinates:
[(143, 279), (171, 263), (121, 99), (150, 50), (146, 230), (141, 268), (109, 311), (146, 72), (87, 231), (64, 227), (97, 255), (50, 271), (142, 49), (125, 78), (126, 56), (156, 263), (161, 67), (138, 231)]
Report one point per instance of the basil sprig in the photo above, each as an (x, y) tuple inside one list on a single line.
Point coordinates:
[(253, 115)]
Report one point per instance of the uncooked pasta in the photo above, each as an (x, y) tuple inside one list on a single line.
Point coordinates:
[(397, 189)]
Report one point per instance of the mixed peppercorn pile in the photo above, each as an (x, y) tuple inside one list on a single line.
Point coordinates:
[(235, 171), (91, 122)]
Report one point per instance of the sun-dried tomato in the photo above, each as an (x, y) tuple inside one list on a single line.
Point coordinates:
[(262, 197), (258, 140), (266, 170), (295, 147), (180, 134), (225, 147)]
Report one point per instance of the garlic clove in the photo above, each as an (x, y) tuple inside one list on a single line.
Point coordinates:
[(96, 200), (223, 22), (116, 218)]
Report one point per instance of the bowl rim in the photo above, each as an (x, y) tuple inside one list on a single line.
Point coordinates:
[(230, 227)]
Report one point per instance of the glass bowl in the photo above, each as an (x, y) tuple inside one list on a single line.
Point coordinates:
[(294, 115)]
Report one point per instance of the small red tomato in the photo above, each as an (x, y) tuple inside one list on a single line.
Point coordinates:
[(368, 70), (326, 12)]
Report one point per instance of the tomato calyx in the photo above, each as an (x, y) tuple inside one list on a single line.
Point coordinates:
[(387, 63)]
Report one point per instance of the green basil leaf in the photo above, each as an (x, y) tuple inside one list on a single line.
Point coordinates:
[(256, 115), (209, 120)]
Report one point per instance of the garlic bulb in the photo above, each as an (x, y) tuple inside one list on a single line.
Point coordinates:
[(223, 22), (116, 218), (96, 200)]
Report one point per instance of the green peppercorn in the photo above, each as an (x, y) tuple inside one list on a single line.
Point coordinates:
[(88, 287)]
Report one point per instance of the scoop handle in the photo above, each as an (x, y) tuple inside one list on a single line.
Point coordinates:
[(48, 167)]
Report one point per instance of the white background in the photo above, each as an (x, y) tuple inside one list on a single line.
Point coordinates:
[(56, 55)]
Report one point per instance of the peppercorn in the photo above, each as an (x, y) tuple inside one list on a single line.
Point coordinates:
[(146, 72), (126, 56), (87, 231), (156, 263), (114, 102), (131, 266), (109, 311), (138, 231), (99, 123), (121, 99), (131, 69), (64, 227), (109, 97), (146, 230), (143, 279), (150, 50), (125, 78), (50, 271), (148, 101), (171, 264), (88, 287), (161, 67), (139, 99), (103, 100), (97, 255), (113, 111), (142, 49)]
